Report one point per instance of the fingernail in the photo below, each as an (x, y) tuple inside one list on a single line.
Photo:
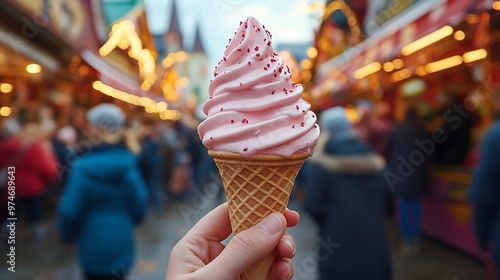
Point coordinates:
[(271, 224), (290, 244)]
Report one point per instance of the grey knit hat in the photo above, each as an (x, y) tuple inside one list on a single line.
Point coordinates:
[(106, 117)]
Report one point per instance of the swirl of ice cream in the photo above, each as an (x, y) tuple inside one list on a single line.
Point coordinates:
[(254, 107)]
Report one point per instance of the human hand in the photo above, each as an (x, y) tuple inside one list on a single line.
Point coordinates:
[(201, 255)]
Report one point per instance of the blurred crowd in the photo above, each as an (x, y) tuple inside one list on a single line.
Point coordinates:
[(101, 179), (364, 172)]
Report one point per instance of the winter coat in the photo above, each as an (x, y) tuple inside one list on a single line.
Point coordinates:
[(485, 193), (104, 200), (35, 170), (346, 194), (409, 151)]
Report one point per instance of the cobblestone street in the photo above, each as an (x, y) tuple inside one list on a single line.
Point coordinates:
[(46, 259)]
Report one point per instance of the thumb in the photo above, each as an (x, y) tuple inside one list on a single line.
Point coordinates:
[(249, 246)]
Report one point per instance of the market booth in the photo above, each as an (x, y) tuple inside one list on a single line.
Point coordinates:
[(419, 55)]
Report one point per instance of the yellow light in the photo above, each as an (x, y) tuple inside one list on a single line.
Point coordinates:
[(398, 63), (151, 108), (388, 66), (405, 73), (459, 35), (352, 114), (428, 39), (367, 70), (168, 61), (161, 106), (181, 56), (33, 68), (421, 71), (5, 111), (496, 5), (312, 52), (6, 87), (144, 101), (306, 64), (444, 64), (475, 55)]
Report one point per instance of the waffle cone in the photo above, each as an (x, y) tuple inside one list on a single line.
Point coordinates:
[(256, 187)]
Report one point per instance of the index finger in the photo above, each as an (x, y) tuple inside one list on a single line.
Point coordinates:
[(214, 226)]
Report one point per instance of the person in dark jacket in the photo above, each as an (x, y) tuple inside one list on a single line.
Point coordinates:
[(407, 176), (151, 165), (346, 195), (64, 145), (485, 194), (104, 200)]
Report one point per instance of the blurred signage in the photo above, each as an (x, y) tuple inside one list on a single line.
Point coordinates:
[(381, 11), (66, 17)]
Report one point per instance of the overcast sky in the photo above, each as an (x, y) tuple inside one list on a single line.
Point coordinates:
[(288, 20)]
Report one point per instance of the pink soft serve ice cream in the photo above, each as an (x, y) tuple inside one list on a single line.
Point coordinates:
[(254, 107)]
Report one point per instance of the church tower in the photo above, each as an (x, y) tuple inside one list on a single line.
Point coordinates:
[(173, 37), (198, 69)]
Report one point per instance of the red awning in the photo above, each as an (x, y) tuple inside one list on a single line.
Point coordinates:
[(386, 43), (115, 78)]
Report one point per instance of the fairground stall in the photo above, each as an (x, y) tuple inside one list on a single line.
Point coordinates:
[(421, 54)]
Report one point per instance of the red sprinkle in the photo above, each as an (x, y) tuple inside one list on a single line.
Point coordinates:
[(232, 121), (244, 121), (249, 63), (272, 92), (273, 60), (265, 68), (224, 58), (257, 54), (239, 50), (269, 43), (246, 149), (211, 138), (248, 50), (221, 109), (275, 75), (293, 126), (256, 48), (268, 65), (302, 124), (297, 106)]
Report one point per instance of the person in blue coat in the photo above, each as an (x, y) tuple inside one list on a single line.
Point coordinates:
[(485, 194), (104, 200), (346, 195)]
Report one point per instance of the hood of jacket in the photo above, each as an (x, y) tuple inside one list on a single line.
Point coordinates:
[(108, 162), (347, 156)]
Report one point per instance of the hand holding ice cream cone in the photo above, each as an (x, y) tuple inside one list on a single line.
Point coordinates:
[(259, 131)]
